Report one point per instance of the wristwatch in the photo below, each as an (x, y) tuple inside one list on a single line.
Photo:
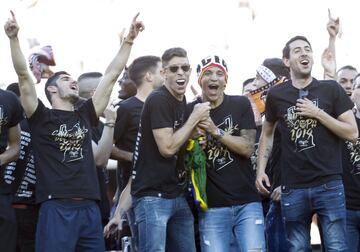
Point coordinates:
[(219, 133)]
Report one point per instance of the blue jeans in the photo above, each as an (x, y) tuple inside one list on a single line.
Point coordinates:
[(353, 230), (245, 222), (328, 202), (68, 225), (275, 229), (164, 223)]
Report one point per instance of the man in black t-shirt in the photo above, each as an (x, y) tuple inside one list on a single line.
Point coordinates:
[(67, 186), (159, 177), (22, 177), (271, 72), (10, 116), (351, 167), (313, 117), (234, 205), (145, 73)]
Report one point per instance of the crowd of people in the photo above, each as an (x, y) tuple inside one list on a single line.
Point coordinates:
[(221, 173)]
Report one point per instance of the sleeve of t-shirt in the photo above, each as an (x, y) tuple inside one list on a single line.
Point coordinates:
[(161, 114), (87, 110), (343, 102), (38, 115), (247, 118), (270, 112), (121, 122), (17, 112)]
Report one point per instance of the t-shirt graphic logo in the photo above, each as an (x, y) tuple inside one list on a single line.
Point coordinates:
[(218, 154), (3, 120), (70, 141), (354, 149), (301, 128)]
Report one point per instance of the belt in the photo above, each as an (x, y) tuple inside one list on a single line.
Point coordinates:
[(21, 206)]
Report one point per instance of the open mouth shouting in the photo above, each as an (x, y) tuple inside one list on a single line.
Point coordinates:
[(181, 82)]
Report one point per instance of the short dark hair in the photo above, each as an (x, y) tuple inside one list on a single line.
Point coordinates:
[(348, 67), (248, 81), (171, 53), (286, 50), (140, 66), (52, 82), (89, 75), (14, 87)]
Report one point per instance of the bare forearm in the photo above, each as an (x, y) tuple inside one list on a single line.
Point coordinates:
[(103, 91), (242, 145), (103, 150), (119, 154), (11, 154), (344, 129), (175, 140), (125, 201)]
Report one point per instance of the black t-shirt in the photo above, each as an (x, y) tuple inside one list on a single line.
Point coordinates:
[(126, 129), (230, 177), (153, 174), (310, 152), (21, 173), (11, 114), (351, 166), (64, 160)]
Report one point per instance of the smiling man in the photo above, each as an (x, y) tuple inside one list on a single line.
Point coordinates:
[(158, 180), (234, 205), (313, 117), (67, 186)]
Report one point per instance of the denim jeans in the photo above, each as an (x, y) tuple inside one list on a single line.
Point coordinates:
[(245, 222), (275, 229), (353, 230), (164, 223), (299, 205)]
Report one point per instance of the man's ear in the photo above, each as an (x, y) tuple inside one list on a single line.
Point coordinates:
[(148, 77), (52, 89), (286, 62)]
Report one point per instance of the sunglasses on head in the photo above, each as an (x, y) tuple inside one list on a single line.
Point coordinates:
[(174, 69), (303, 93)]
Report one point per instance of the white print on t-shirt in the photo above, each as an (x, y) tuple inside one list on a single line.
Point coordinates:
[(70, 141), (301, 128), (217, 153), (354, 149), (3, 120)]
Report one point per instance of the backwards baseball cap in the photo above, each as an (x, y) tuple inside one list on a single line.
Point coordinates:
[(272, 70), (211, 61)]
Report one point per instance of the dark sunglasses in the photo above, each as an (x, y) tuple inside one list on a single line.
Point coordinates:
[(174, 69), (303, 93)]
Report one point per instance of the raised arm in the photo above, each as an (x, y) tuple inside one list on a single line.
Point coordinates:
[(169, 142), (328, 58), (103, 149), (28, 96), (12, 151), (103, 91), (265, 148)]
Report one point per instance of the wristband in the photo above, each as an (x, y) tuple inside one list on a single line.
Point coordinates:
[(219, 133), (109, 124), (128, 42)]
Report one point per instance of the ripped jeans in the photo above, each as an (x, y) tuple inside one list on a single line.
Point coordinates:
[(244, 222), (298, 207)]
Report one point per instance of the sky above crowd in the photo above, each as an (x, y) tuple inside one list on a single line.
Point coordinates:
[(84, 33)]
